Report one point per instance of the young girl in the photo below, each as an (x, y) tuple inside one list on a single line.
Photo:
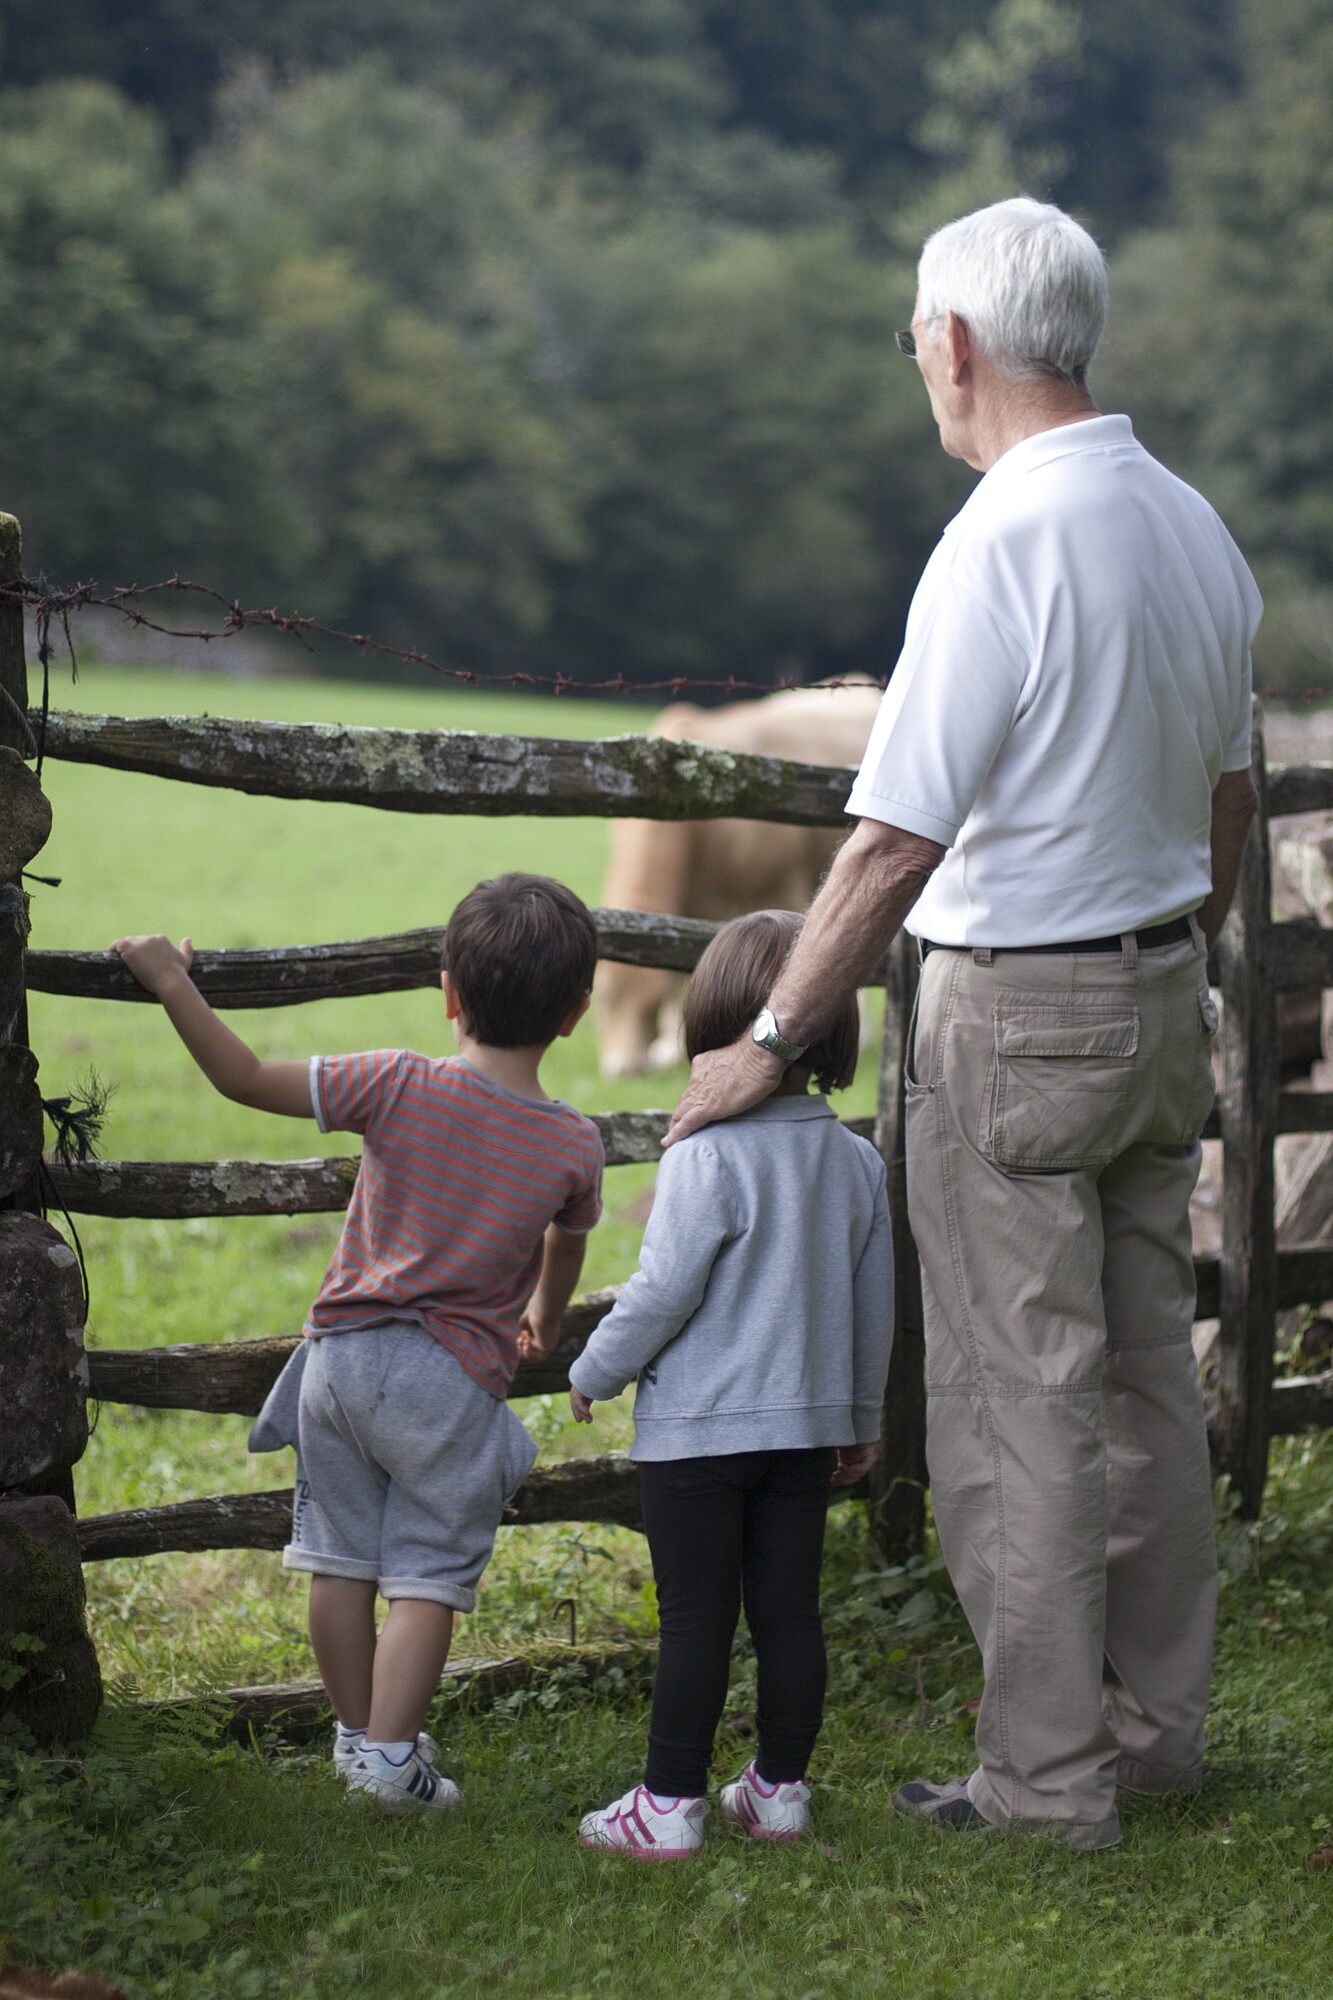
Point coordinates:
[(759, 1325)]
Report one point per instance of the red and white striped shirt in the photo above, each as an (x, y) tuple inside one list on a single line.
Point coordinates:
[(459, 1179)]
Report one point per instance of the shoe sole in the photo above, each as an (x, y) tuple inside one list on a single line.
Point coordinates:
[(596, 1846), (926, 1816), (402, 1807), (783, 1836)]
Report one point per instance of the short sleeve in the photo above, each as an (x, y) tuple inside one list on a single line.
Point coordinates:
[(581, 1212), (948, 708), (1240, 750), (350, 1092)]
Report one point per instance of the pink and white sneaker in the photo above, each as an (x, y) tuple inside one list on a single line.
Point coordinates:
[(647, 1826), (764, 1811)]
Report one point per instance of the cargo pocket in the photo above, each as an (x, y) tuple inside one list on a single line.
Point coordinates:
[(1203, 1084), (1060, 1085)]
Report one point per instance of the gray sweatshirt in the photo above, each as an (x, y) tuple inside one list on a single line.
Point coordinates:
[(761, 1315)]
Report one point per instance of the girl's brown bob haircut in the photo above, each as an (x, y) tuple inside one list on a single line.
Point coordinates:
[(732, 982)]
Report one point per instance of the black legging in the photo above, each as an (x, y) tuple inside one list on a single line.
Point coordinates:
[(750, 1522)]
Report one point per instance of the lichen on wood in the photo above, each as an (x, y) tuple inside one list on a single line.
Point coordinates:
[(458, 771), (281, 975)]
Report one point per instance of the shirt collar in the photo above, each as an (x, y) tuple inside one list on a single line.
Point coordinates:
[(1090, 434), (1065, 441)]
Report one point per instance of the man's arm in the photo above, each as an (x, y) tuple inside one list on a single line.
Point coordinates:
[(875, 879), (231, 1065), (1235, 803)]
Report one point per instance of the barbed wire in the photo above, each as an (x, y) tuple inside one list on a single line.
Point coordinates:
[(49, 604)]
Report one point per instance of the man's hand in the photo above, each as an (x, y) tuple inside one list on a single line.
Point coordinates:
[(538, 1333), (876, 876), (724, 1082), (155, 961), (854, 1461), (580, 1406)]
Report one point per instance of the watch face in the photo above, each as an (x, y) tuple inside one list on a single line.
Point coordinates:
[(765, 1025)]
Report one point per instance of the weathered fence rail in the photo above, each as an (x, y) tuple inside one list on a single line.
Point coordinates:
[(166, 1190), (458, 772), (1300, 788), (602, 1489), (232, 1377), (455, 770), (283, 975), (400, 963)]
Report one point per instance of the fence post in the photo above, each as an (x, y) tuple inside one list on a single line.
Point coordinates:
[(898, 1484), (43, 1378), (24, 823), (56, 1689), (1249, 1119)]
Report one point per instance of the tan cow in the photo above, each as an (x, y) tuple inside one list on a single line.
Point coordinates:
[(723, 867)]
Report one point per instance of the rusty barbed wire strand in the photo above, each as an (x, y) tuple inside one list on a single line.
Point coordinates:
[(47, 604)]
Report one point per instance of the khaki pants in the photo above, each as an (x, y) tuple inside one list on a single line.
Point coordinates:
[(1053, 1115)]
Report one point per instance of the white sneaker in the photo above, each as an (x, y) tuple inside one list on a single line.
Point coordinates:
[(413, 1786), (649, 1828), (346, 1750), (766, 1812)]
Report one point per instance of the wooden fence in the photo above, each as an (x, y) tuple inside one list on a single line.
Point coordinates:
[(457, 772)]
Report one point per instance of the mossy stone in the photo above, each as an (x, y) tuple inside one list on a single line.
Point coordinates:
[(50, 1683)]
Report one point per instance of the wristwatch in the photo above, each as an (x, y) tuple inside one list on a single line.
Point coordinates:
[(765, 1034)]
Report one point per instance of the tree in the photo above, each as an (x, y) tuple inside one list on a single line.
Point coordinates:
[(135, 392), (429, 458), (1219, 334), (773, 478)]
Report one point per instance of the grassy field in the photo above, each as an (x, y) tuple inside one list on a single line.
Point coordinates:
[(188, 1870)]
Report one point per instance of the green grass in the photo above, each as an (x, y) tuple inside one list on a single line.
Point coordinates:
[(224, 1874), (202, 1874)]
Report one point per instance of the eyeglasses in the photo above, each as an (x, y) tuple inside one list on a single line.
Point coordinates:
[(906, 340)]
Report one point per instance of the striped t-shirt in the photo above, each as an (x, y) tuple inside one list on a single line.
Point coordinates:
[(459, 1179)]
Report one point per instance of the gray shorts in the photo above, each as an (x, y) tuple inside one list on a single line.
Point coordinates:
[(404, 1464)]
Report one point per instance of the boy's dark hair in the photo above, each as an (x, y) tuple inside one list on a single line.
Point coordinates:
[(733, 980), (521, 950)]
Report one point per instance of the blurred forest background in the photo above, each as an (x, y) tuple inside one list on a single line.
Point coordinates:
[(557, 334)]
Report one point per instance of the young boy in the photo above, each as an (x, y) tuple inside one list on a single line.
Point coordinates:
[(473, 1185)]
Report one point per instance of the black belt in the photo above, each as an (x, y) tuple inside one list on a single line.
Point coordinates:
[(1175, 932)]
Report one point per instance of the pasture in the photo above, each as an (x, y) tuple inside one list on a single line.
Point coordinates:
[(186, 1870)]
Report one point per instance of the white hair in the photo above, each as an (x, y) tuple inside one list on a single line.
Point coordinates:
[(1027, 279)]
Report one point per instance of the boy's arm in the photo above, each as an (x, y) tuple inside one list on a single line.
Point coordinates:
[(562, 1261), (230, 1065)]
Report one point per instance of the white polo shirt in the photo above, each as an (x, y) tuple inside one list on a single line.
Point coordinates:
[(1074, 679)]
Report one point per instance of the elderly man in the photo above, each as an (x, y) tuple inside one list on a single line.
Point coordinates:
[(1057, 789)]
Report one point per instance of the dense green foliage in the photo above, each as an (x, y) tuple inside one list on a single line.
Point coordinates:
[(555, 334), (1229, 308)]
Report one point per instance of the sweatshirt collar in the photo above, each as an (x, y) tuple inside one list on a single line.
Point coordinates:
[(780, 1109)]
